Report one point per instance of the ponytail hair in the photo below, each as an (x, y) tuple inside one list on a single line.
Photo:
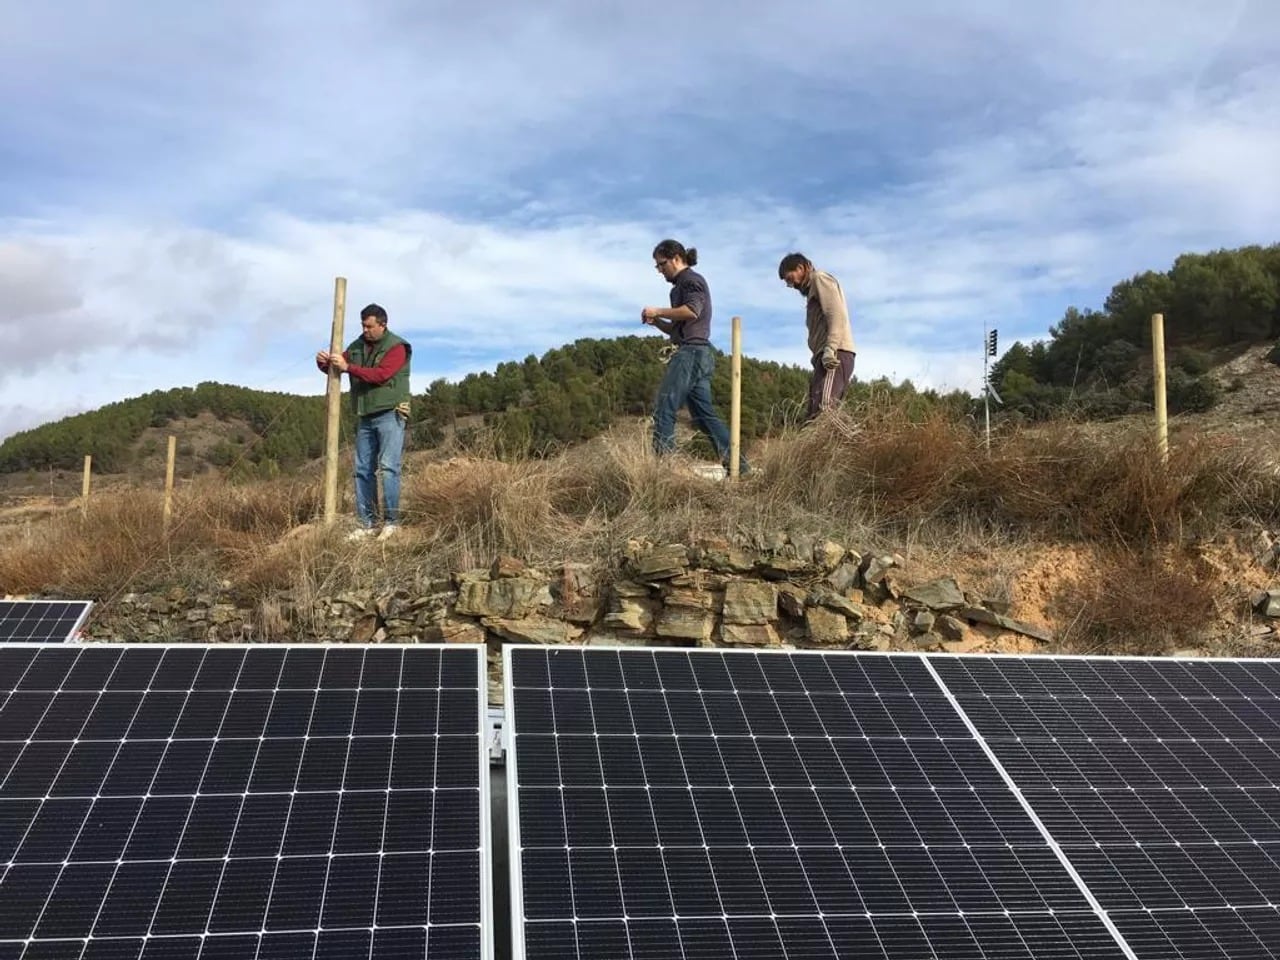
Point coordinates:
[(669, 249)]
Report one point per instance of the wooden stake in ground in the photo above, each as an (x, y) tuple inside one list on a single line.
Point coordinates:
[(333, 399), (168, 479), (1157, 367), (735, 400), (84, 485)]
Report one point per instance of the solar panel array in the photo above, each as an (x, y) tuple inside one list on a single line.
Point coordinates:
[(269, 802), (42, 621), (175, 802), (1159, 778), (699, 804)]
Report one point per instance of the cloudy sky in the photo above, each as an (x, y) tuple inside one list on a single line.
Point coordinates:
[(180, 183)]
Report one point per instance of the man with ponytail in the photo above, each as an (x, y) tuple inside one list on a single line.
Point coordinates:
[(688, 378)]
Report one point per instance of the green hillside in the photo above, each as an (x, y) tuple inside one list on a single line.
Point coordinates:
[(1094, 363), (576, 391), (1097, 363), (286, 429), (532, 407)]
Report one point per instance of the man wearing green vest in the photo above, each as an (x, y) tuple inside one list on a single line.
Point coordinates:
[(377, 365)]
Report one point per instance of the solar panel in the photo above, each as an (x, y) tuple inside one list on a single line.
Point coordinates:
[(42, 621), (740, 804), (228, 801), (1160, 779)]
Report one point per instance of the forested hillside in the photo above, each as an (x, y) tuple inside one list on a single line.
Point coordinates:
[(1094, 363), (576, 391), (286, 430), (532, 407), (1097, 362)]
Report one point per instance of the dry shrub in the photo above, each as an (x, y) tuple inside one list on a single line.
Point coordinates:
[(1142, 604), (616, 479), (580, 505), (888, 465), (307, 564), (1055, 481), (490, 505), (884, 475), (267, 509), (120, 545), (1063, 481)]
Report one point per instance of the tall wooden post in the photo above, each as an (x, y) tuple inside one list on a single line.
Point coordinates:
[(1158, 375), (735, 401), (168, 479), (84, 485), (333, 398)]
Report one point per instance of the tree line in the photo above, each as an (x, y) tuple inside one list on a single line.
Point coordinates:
[(532, 407), (287, 430), (1096, 363)]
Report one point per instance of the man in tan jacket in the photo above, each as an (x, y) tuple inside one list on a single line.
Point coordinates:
[(830, 335)]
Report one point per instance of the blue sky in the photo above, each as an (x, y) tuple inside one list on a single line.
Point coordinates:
[(179, 185)]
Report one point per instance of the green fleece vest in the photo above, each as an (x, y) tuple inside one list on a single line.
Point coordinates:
[(365, 397)]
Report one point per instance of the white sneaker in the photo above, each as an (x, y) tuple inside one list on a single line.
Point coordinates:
[(389, 531), (359, 533)]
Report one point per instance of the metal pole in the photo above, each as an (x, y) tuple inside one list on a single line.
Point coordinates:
[(1157, 366), (986, 386), (333, 399), (168, 479), (735, 400)]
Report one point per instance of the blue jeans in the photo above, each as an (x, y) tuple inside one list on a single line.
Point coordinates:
[(688, 381), (379, 444)]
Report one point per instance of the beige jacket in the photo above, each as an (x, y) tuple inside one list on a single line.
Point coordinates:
[(827, 314)]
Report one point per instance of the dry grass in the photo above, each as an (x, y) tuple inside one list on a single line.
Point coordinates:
[(1141, 604), (882, 477), (1059, 481), (121, 544)]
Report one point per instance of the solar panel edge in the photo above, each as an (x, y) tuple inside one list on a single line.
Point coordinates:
[(68, 628), (1100, 657), (487, 945), (514, 861), (480, 733), (80, 622)]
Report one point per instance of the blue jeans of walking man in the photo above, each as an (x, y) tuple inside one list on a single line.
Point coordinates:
[(379, 444), (688, 381)]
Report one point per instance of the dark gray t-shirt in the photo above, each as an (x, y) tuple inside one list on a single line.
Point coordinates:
[(689, 289)]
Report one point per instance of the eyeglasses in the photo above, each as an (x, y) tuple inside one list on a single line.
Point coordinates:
[(659, 264)]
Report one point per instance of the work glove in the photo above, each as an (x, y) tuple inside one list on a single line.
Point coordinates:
[(829, 358), (403, 410)]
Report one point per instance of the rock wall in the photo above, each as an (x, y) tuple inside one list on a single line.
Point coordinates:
[(786, 591)]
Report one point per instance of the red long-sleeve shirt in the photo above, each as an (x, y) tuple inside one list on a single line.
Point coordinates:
[(387, 367)]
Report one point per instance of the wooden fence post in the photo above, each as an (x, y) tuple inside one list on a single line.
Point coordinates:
[(84, 486), (333, 400), (1158, 376), (735, 401), (168, 480)]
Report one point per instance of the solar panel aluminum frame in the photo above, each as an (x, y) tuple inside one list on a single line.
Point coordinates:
[(486, 816), (72, 634), (482, 735), (515, 863)]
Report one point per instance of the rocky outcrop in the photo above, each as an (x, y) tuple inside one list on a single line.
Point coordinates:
[(1266, 603), (775, 591)]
